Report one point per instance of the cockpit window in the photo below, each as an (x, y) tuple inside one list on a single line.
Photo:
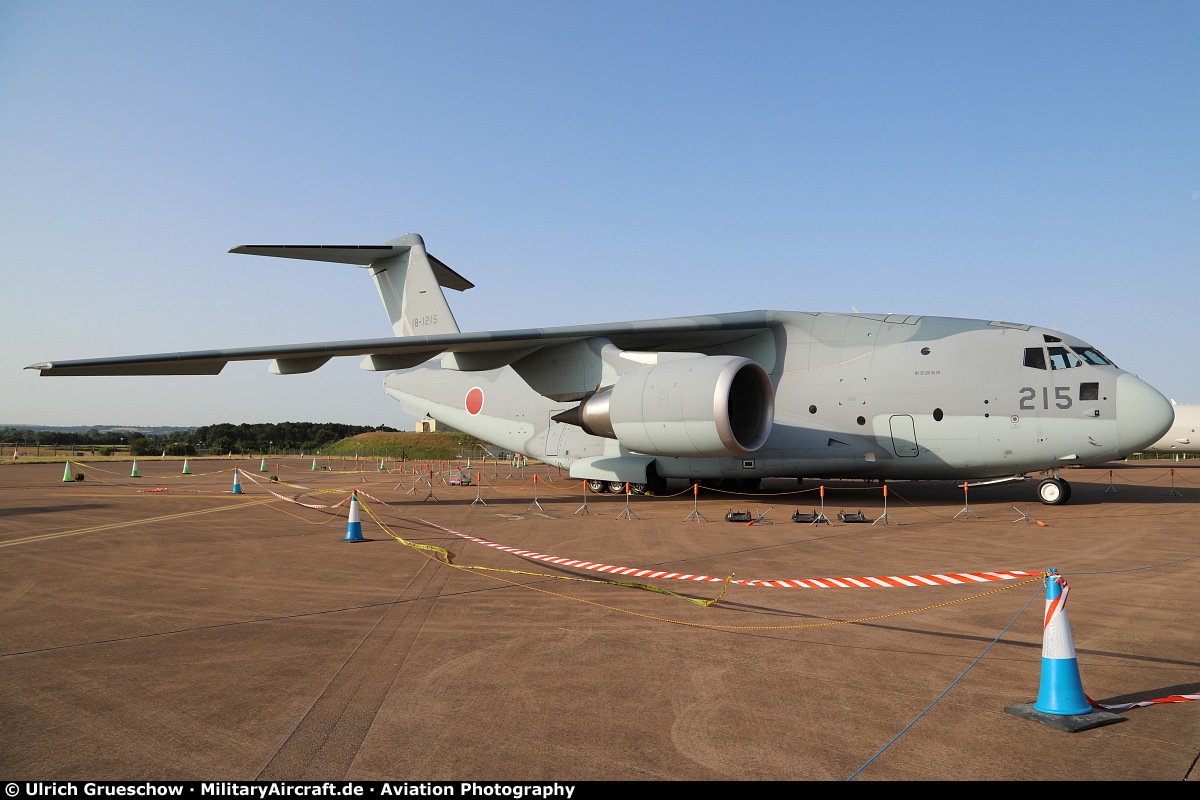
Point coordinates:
[(1035, 357), (1062, 358), (1092, 356)]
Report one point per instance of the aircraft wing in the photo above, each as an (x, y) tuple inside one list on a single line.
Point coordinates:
[(479, 350)]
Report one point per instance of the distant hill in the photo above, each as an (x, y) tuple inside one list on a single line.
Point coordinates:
[(412, 446), (146, 429)]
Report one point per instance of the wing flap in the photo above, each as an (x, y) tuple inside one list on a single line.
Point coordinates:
[(173, 364)]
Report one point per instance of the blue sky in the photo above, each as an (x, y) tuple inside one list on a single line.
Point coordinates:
[(580, 162)]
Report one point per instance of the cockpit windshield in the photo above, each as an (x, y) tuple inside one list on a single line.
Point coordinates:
[(1064, 357), (1092, 356)]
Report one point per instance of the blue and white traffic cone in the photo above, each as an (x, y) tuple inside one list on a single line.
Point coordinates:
[(1061, 702), (1061, 689), (354, 526), (237, 486)]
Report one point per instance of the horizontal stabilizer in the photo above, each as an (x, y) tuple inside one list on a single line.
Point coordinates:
[(362, 255)]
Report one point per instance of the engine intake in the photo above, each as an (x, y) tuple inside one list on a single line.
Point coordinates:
[(703, 406)]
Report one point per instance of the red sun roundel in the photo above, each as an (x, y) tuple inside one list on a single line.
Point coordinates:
[(474, 401)]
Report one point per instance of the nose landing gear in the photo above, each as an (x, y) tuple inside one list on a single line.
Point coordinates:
[(1054, 491)]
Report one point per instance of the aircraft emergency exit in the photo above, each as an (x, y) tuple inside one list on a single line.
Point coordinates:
[(727, 398)]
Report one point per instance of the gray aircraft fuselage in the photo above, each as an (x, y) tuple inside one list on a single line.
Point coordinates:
[(858, 396)]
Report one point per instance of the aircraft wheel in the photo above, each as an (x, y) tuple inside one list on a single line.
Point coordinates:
[(597, 487), (1054, 491), (638, 488), (616, 487)]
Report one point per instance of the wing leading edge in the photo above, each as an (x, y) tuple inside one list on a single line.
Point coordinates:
[(496, 348)]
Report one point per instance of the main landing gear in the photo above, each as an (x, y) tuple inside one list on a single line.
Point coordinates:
[(653, 485)]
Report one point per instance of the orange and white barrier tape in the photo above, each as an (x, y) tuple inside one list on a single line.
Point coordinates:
[(297, 502), (1171, 698), (876, 582)]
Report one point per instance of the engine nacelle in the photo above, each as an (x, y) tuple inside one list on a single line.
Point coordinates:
[(703, 406)]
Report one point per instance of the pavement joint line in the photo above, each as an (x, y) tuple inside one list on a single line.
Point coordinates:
[(129, 523)]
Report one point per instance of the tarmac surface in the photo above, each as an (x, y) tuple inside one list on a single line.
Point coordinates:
[(168, 627)]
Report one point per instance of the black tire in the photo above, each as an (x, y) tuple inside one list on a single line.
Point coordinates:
[(597, 486), (616, 487), (1054, 491)]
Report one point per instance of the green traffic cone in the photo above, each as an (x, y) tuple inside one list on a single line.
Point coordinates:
[(263, 466), (134, 472), (185, 467), (314, 466), (67, 474)]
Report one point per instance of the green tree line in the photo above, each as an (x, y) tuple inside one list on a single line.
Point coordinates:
[(244, 438)]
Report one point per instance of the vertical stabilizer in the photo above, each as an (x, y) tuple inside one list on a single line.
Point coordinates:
[(408, 278), (410, 291)]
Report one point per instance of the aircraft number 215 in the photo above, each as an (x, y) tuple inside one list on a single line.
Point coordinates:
[(1061, 399)]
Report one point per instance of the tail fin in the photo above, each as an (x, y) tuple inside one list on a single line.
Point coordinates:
[(407, 277)]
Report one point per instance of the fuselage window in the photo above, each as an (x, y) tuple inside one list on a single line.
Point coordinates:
[(1092, 355), (1062, 358), (1035, 357), (1089, 391)]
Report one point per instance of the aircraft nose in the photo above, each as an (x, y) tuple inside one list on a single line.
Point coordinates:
[(1143, 414)]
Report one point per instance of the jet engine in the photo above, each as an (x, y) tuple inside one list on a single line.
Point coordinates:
[(703, 406)]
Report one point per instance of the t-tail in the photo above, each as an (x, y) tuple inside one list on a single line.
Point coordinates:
[(409, 280)]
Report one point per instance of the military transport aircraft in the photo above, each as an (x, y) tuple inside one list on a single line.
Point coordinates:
[(1184, 435), (729, 398)]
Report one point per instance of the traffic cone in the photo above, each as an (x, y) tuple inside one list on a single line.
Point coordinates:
[(263, 466), (314, 466), (16, 454), (237, 486), (133, 473), (185, 468), (354, 526), (1061, 689), (67, 474), (1061, 701)]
